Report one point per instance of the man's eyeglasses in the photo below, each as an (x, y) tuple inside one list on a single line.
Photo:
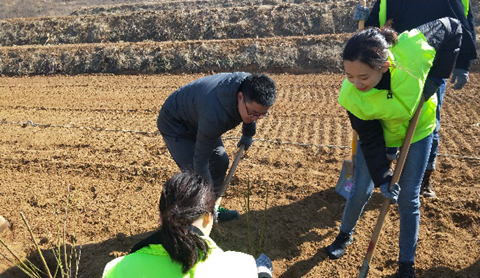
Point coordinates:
[(256, 115)]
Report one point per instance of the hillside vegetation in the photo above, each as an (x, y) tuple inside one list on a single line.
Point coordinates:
[(168, 25), (180, 36)]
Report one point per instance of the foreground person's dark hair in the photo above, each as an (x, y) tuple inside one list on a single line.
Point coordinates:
[(184, 198)]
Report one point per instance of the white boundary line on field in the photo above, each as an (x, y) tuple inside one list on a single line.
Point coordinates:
[(31, 123)]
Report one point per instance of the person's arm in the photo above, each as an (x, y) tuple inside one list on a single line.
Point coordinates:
[(373, 148), (373, 19), (468, 48), (445, 35), (207, 135), (248, 131)]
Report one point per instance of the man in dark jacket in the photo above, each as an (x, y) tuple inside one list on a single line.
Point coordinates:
[(193, 119), (408, 14)]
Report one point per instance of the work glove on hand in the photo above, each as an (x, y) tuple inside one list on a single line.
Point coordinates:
[(264, 266), (361, 13), (390, 193), (392, 153), (460, 78), (430, 88), (245, 140)]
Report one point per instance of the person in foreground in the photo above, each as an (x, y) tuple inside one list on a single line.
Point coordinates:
[(193, 119), (182, 246), (387, 75)]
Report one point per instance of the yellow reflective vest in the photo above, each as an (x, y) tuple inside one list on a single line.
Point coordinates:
[(410, 61), (153, 261)]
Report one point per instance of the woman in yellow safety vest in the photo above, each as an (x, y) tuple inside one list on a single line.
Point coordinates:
[(387, 74), (182, 246)]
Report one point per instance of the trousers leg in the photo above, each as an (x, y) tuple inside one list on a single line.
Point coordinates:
[(436, 137), (408, 200), (359, 195), (218, 168)]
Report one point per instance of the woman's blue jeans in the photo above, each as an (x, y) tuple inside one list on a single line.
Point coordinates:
[(408, 200), (436, 137)]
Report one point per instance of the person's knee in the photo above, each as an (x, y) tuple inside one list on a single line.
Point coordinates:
[(360, 198), (220, 159), (408, 204)]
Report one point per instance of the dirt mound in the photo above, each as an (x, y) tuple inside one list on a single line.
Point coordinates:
[(190, 5), (279, 54), (180, 25), (306, 54)]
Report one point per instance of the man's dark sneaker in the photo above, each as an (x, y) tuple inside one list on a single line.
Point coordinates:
[(406, 270), (224, 215), (337, 248), (426, 190)]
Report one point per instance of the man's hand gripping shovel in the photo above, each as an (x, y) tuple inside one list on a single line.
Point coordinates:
[(386, 202)]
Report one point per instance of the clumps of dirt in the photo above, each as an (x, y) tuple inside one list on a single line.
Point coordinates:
[(189, 4)]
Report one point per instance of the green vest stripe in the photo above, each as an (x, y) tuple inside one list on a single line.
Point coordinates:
[(466, 7), (382, 13)]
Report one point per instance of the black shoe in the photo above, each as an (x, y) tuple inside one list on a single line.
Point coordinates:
[(426, 189), (406, 270), (224, 215), (337, 248)]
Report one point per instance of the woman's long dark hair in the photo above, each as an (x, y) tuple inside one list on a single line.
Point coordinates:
[(184, 198), (370, 46)]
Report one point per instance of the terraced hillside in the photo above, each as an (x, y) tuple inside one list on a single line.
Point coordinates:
[(286, 37), (180, 25)]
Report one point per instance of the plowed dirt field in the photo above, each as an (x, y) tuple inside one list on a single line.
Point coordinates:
[(97, 137)]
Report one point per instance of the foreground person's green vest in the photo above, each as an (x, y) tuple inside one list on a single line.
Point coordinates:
[(410, 61), (153, 261)]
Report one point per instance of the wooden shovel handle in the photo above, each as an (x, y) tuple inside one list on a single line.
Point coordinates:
[(234, 165), (395, 178)]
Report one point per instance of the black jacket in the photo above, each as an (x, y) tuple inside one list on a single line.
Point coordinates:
[(409, 14), (202, 111)]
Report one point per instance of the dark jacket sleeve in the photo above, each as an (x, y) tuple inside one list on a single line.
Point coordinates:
[(249, 129), (372, 143), (445, 35), (373, 19), (468, 51)]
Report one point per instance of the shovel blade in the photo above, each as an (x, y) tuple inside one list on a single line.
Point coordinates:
[(345, 181)]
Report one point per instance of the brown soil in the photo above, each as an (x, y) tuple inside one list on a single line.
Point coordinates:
[(97, 136)]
